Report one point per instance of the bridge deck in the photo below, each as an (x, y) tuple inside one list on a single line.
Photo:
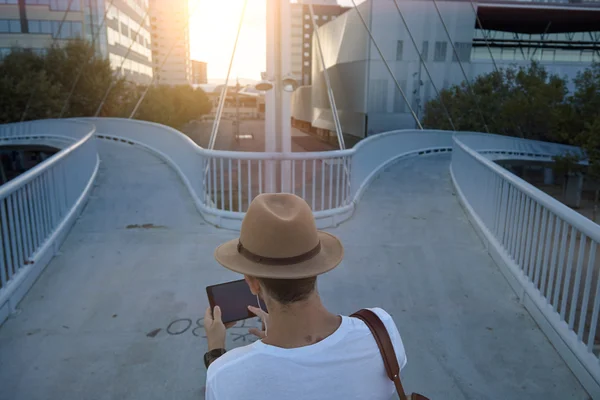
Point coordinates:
[(103, 321)]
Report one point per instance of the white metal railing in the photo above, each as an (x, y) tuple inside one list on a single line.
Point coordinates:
[(233, 179), (548, 251), (223, 183), (38, 207)]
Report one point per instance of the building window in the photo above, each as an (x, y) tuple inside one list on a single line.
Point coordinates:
[(378, 95), (399, 103), (316, 17), (10, 26), (306, 26), (325, 17), (76, 30), (124, 29), (45, 27), (34, 26), (463, 50), (306, 16), (306, 63), (399, 48), (425, 50), (440, 51), (306, 45), (306, 36)]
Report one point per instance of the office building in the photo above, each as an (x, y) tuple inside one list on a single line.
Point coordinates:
[(123, 36), (171, 42), (564, 38), (199, 72), (128, 38), (302, 30)]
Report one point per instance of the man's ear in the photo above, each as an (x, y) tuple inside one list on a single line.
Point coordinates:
[(253, 284)]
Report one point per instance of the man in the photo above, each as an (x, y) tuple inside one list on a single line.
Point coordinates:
[(304, 351)]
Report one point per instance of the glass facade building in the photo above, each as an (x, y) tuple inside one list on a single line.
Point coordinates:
[(118, 30)]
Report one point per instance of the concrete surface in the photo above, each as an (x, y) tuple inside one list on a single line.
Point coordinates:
[(104, 319)]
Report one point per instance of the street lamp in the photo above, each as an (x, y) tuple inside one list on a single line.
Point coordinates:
[(289, 83), (264, 85)]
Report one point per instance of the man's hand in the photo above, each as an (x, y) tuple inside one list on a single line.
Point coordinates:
[(215, 329), (264, 317)]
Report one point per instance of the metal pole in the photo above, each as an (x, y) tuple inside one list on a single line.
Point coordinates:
[(217, 121), (334, 111), (270, 99), (237, 110), (285, 98), (387, 66), (460, 65)]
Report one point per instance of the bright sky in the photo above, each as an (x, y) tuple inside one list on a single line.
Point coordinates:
[(213, 26)]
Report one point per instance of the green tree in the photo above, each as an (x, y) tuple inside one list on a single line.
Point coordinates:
[(25, 84), (72, 81), (512, 101), (173, 106), (84, 77)]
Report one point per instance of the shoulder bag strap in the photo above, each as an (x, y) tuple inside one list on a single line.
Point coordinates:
[(386, 348)]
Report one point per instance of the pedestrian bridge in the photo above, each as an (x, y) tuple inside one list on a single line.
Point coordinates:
[(107, 247)]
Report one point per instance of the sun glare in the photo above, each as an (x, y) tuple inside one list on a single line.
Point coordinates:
[(213, 26)]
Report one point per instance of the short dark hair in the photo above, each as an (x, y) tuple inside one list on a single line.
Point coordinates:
[(287, 291)]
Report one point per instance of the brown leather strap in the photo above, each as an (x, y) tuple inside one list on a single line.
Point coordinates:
[(278, 261), (386, 348)]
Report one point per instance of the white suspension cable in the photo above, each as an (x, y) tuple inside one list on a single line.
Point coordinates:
[(387, 65), (143, 96), (54, 39), (461, 66), (112, 83), (334, 111), (82, 68), (217, 121), (485, 38), (424, 63)]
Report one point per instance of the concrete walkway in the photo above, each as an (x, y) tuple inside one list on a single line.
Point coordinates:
[(115, 315)]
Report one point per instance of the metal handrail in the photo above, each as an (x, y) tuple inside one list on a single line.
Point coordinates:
[(38, 207), (583, 224), (31, 174)]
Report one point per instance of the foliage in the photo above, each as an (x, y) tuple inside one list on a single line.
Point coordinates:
[(513, 101), (22, 73), (73, 80), (568, 163), (173, 106)]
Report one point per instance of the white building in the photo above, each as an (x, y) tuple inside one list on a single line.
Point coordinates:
[(301, 32), (171, 42), (565, 38)]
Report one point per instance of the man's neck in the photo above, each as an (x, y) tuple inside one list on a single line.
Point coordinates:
[(300, 324)]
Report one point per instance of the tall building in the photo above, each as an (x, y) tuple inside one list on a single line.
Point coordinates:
[(199, 72), (302, 30), (123, 37), (128, 38), (171, 42), (563, 37)]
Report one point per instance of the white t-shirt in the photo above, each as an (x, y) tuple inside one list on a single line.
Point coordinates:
[(345, 365)]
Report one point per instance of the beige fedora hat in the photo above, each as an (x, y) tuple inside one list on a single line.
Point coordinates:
[(279, 239)]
